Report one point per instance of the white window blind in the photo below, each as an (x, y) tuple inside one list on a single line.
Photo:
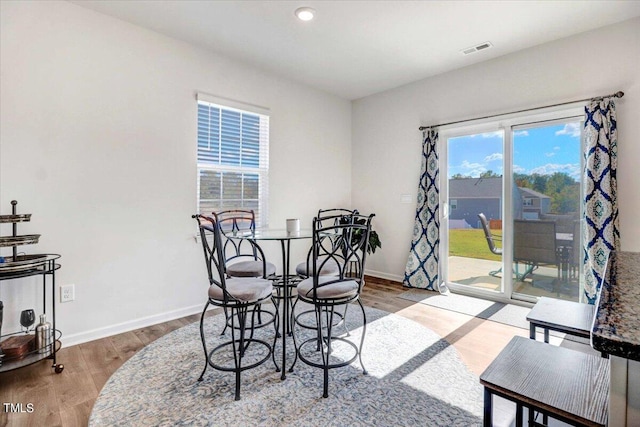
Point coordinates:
[(233, 158)]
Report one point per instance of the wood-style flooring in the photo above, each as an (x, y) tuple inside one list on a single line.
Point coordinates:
[(66, 399)]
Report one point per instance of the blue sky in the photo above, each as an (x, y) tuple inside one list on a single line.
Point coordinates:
[(542, 150)]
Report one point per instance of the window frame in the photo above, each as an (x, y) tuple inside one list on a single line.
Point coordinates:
[(221, 166)]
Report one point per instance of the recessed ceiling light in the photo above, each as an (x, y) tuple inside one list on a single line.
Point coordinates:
[(305, 13)]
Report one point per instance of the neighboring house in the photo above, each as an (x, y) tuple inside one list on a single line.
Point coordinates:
[(470, 196), (534, 203)]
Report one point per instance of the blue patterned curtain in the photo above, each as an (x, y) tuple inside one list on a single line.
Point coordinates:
[(422, 270), (601, 233)]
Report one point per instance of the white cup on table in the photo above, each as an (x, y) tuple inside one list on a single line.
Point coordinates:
[(293, 226)]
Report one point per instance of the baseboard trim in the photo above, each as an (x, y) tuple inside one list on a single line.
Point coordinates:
[(381, 275), (107, 331)]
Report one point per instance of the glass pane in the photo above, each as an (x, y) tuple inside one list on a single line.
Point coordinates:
[(546, 229), (209, 184), (251, 204), (475, 188), (251, 186), (232, 186), (208, 206), (230, 204)]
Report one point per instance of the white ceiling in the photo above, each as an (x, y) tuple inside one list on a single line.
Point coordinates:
[(357, 48)]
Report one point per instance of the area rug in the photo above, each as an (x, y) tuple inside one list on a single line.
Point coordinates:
[(509, 314), (414, 378)]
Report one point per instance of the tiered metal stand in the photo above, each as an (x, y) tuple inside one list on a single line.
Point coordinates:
[(20, 266)]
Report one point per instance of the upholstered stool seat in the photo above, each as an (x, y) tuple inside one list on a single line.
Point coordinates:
[(330, 268), (335, 290), (243, 289), (250, 269)]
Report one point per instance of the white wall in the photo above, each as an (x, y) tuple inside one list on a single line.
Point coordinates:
[(387, 144), (98, 142)]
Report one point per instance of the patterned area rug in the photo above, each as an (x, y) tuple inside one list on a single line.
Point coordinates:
[(415, 378)]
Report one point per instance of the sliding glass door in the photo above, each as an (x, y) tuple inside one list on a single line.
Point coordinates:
[(475, 210), (546, 222), (512, 196)]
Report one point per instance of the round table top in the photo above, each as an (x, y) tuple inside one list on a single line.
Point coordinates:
[(271, 234)]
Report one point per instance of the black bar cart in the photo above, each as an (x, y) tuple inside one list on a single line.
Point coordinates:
[(17, 266)]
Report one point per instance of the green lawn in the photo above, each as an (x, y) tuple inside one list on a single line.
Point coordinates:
[(471, 243)]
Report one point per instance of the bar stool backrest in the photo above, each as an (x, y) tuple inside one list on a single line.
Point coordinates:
[(237, 221), (344, 242), (210, 236)]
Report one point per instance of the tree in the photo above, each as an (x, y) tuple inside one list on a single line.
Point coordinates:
[(564, 192), (490, 174), (459, 176), (539, 182)]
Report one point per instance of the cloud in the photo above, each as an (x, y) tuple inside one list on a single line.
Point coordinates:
[(492, 157), (472, 169), (518, 169), (496, 134), (571, 129), (467, 165), (556, 148), (571, 169), (549, 154), (521, 133)]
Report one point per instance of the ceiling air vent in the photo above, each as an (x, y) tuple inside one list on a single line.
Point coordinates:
[(476, 48)]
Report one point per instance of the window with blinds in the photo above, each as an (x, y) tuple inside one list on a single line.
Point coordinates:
[(233, 158)]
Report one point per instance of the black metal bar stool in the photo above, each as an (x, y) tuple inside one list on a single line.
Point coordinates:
[(343, 242), (241, 298)]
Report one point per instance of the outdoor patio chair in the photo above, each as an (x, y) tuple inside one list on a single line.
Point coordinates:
[(534, 245), (490, 241)]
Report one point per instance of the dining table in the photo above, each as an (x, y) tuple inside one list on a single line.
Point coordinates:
[(285, 280)]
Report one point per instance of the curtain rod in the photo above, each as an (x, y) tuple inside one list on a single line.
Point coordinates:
[(618, 94)]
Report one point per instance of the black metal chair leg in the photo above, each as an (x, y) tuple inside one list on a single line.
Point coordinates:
[(204, 344), (276, 323), (226, 321), (329, 316), (325, 355), (237, 348), (364, 331), (325, 393), (292, 323), (344, 320), (318, 313)]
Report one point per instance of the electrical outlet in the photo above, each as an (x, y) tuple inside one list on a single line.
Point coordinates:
[(67, 293)]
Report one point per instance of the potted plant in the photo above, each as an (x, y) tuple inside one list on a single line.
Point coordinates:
[(374, 240)]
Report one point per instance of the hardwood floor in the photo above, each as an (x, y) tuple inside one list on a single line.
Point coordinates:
[(66, 399)]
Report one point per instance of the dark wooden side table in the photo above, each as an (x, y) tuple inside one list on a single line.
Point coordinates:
[(564, 384), (569, 317)]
